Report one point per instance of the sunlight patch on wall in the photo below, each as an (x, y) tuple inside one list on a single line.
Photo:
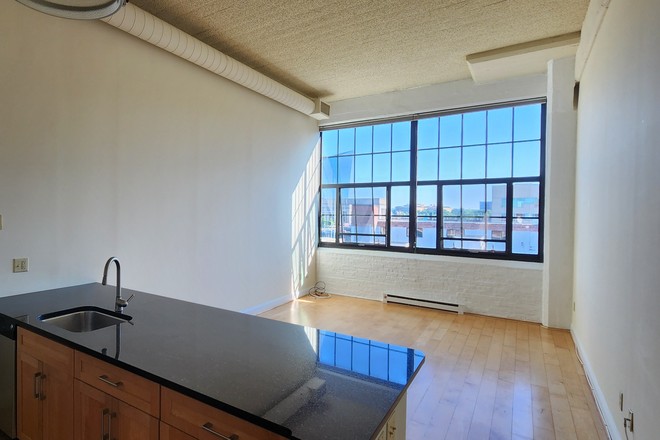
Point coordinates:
[(304, 205)]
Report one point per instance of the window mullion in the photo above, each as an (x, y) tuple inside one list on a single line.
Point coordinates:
[(388, 217), (509, 218), (412, 210)]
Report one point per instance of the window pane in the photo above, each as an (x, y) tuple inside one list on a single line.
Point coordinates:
[(474, 245), (525, 238), (474, 162), (451, 244), (399, 236), (499, 161), (427, 200), (382, 167), (347, 238), (328, 201), (363, 168), (450, 163), (329, 170), (474, 128), (495, 246), (500, 125), (365, 224), (496, 229), (380, 241), (328, 228), (451, 227), (527, 159), (380, 225), (496, 200), (426, 232), (450, 130), (346, 169), (427, 165), (363, 197), (527, 122), (347, 201), (346, 141), (474, 200), (427, 133), (363, 139), (400, 200), (474, 227), (348, 224), (329, 143), (380, 199), (365, 239), (451, 200), (382, 138), (401, 136), (526, 199), (401, 166)]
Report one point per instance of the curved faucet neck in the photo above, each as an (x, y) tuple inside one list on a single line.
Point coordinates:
[(118, 299)]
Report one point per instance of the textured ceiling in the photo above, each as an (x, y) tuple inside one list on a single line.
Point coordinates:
[(339, 49)]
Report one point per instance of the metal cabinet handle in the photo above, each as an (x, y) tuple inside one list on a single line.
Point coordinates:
[(34, 385), (103, 414), (42, 396), (209, 428), (110, 417), (104, 378)]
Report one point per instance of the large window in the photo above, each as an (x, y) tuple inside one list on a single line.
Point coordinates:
[(475, 178)]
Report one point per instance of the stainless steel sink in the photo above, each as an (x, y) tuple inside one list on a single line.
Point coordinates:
[(84, 319)]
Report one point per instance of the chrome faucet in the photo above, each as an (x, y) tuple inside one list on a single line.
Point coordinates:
[(119, 302)]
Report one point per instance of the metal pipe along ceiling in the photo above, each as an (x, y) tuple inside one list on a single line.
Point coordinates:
[(151, 29)]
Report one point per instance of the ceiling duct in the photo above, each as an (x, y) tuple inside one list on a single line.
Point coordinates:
[(75, 9), (153, 30)]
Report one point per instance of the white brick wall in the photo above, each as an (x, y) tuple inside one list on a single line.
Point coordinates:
[(505, 289)]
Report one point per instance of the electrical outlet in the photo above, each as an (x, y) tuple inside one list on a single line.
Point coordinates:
[(631, 425), (20, 265), (620, 400)]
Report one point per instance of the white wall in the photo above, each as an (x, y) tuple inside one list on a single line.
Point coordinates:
[(561, 139), (110, 146), (507, 289), (617, 245)]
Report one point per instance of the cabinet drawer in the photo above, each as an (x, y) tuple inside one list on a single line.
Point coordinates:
[(199, 420), (47, 351), (121, 384), (169, 433)]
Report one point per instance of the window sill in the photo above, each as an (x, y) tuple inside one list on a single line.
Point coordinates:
[(439, 258)]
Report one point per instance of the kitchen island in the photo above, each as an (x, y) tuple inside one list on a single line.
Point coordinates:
[(294, 381)]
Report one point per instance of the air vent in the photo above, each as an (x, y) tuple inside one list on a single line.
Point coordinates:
[(321, 110), (447, 307)]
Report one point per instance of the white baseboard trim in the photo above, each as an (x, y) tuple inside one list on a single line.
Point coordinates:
[(260, 308), (610, 425)]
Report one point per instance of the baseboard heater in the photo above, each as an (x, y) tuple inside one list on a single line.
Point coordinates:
[(448, 307)]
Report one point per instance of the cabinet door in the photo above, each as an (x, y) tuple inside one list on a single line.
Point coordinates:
[(29, 415), (132, 424), (56, 394), (92, 412)]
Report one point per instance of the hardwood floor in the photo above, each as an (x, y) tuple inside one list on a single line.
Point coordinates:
[(484, 378)]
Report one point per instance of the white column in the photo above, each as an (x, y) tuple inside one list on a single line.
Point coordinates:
[(561, 141)]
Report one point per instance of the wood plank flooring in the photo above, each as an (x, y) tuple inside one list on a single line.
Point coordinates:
[(484, 378)]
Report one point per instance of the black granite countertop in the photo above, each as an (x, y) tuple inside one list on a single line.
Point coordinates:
[(297, 381)]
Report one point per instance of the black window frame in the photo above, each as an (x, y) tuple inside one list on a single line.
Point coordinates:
[(413, 184)]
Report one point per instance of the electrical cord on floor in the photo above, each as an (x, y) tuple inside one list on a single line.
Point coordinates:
[(607, 428), (318, 291)]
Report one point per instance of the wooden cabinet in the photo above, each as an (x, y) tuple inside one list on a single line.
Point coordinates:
[(203, 422), (101, 416), (121, 384), (44, 374)]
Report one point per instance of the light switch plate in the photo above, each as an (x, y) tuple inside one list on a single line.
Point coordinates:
[(20, 265)]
